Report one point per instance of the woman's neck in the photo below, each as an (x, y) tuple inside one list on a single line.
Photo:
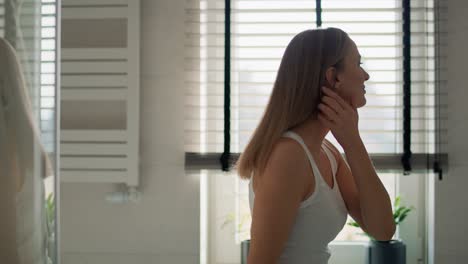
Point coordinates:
[(312, 131)]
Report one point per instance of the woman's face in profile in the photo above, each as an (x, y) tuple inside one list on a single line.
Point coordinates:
[(350, 84)]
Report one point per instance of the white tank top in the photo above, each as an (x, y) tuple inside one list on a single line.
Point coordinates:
[(319, 219)]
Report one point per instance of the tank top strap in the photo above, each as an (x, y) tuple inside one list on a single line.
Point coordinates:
[(313, 164), (332, 159)]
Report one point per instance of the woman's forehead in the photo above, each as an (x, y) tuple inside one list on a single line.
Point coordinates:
[(353, 51)]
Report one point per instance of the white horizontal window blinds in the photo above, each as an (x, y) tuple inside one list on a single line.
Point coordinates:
[(424, 100), (376, 27), (204, 67), (260, 31), (48, 75)]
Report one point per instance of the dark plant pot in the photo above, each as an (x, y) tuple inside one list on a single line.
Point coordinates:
[(387, 252), (244, 251)]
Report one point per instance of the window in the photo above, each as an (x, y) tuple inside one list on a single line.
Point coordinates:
[(48, 74), (30, 27), (260, 31), (48, 88)]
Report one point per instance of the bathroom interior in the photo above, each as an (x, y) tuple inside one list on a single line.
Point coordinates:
[(113, 124)]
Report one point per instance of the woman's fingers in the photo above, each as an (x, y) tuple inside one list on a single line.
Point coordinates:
[(338, 98), (332, 103), (324, 120), (329, 113)]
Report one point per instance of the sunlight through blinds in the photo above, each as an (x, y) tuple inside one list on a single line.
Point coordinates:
[(261, 31)]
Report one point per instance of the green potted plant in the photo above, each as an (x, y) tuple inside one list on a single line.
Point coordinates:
[(394, 250), (50, 216)]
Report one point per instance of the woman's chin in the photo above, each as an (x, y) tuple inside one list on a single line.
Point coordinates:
[(360, 103)]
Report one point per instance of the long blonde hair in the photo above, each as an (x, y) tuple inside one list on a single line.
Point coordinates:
[(23, 131), (296, 92)]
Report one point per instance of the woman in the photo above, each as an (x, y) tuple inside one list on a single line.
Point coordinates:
[(301, 187), (23, 225)]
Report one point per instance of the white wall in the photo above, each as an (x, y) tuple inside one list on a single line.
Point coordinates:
[(451, 195), (164, 226)]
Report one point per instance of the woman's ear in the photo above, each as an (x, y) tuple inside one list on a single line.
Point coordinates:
[(330, 77)]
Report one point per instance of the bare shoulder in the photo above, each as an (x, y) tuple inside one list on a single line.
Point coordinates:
[(286, 150), (286, 154), (284, 163)]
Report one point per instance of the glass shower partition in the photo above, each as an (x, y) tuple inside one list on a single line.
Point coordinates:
[(30, 27)]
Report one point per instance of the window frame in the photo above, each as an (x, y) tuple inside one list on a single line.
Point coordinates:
[(422, 165)]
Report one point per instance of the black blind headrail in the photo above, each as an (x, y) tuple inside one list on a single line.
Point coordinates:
[(406, 158), (225, 157)]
